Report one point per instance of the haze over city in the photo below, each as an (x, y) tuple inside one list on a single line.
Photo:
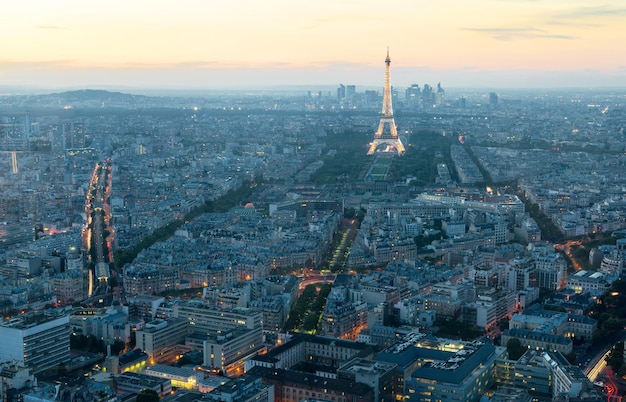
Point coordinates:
[(200, 44)]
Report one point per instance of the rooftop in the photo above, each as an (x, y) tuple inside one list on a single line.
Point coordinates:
[(132, 356), (184, 371), (459, 365), (537, 336), (323, 340), (311, 380)]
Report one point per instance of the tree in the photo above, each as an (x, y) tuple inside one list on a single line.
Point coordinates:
[(147, 395), (455, 328), (118, 347), (515, 348), (349, 213), (613, 325), (571, 358), (615, 359), (503, 324)]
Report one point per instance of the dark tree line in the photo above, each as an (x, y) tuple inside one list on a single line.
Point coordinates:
[(610, 312), (424, 150), (615, 359), (345, 157), (91, 344), (304, 315), (458, 329), (549, 231)]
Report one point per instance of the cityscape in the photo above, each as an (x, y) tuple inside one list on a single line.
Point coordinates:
[(225, 228), (269, 246)]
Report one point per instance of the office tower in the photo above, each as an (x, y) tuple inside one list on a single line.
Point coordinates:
[(37, 341), (440, 95), (428, 96), (341, 92), (412, 95), (160, 338), (350, 92), (74, 135), (27, 126), (493, 99), (386, 138)]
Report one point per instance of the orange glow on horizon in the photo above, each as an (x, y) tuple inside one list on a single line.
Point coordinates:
[(461, 36)]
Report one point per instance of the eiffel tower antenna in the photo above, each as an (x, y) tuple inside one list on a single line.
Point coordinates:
[(386, 139)]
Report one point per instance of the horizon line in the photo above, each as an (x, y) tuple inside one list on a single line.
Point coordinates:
[(278, 87)]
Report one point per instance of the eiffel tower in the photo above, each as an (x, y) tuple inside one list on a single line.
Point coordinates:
[(386, 141)]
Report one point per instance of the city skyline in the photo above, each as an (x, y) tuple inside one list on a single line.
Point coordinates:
[(204, 45)]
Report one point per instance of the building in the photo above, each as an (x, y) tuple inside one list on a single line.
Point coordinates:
[(141, 279), (109, 325), (344, 315), (215, 274), (493, 99), (463, 375), (509, 394), (385, 250), (273, 309), (539, 340), (293, 386), (145, 306), (37, 341), (489, 308), (227, 350), (160, 337), (68, 286), (383, 378), (77, 390), (521, 274), (14, 379), (548, 376), (134, 360), (344, 320), (211, 320), (569, 380), (445, 299), (128, 382), (384, 336), (537, 318), (244, 389), (323, 350), (533, 375), (588, 281), (551, 271), (181, 377), (375, 295), (223, 297)]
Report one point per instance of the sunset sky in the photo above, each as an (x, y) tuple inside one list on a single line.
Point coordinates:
[(239, 43)]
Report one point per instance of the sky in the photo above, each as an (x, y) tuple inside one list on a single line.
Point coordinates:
[(197, 44)]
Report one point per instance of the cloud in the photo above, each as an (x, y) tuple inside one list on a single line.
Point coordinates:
[(35, 65), (583, 17), (518, 33), (571, 23), (344, 18), (191, 65), (586, 12)]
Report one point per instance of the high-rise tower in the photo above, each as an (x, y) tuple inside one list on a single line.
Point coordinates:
[(386, 138)]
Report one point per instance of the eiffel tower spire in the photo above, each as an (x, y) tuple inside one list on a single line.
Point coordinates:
[(386, 138)]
